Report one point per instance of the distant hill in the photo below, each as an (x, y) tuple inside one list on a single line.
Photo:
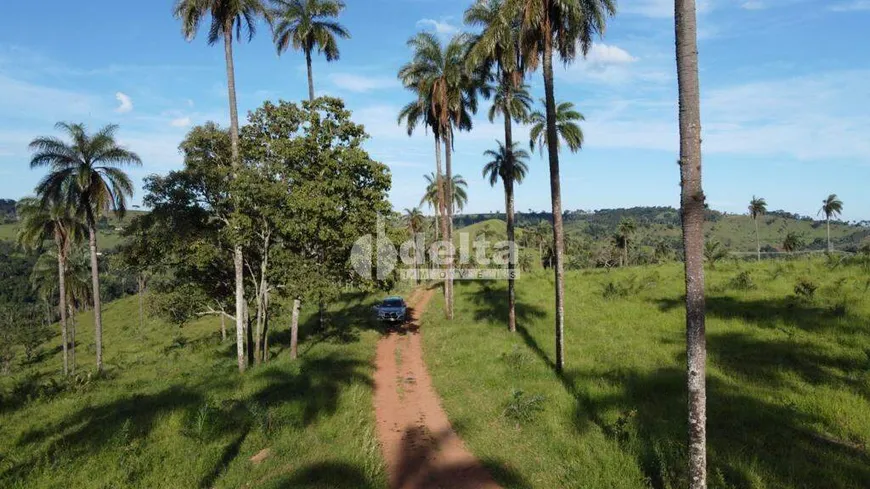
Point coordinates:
[(662, 224)]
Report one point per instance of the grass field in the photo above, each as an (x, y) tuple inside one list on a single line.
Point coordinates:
[(788, 379), (105, 239), (173, 411)]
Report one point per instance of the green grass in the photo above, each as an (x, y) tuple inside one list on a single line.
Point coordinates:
[(173, 411), (788, 378)]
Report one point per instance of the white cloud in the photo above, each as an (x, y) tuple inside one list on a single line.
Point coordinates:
[(752, 5), (442, 27), (180, 122), (852, 6), (604, 54), (362, 83), (125, 101)]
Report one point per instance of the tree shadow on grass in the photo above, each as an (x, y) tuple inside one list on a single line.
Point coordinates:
[(415, 467), (769, 313), (316, 389), (491, 304), (748, 438), (325, 475)]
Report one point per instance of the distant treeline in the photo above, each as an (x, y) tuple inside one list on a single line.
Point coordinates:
[(7, 211)]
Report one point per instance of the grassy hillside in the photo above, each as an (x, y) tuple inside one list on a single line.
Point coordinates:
[(107, 238), (174, 412), (788, 379)]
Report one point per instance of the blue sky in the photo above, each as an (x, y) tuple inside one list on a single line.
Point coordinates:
[(785, 97)]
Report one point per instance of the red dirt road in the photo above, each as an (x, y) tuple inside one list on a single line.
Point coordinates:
[(420, 447)]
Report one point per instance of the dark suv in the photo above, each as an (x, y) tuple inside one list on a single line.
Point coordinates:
[(392, 310)]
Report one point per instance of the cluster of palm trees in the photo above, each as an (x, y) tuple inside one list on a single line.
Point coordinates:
[(516, 38), (832, 206), (84, 183)]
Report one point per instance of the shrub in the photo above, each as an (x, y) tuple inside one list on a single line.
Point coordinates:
[(523, 407), (805, 289), (515, 359), (742, 281)]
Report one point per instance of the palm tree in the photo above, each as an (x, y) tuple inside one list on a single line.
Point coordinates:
[(545, 26), (84, 174), (626, 230), (713, 252), (227, 17), (41, 221), (792, 242), (309, 24), (692, 209), (566, 127), (832, 206), (458, 190), (446, 97), (499, 45), (757, 208)]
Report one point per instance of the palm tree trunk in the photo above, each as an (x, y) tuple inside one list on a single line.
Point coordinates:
[(442, 204), (95, 284), (828, 227), (238, 259), (140, 286), (71, 315), (692, 202), (294, 330), (448, 185), (310, 75), (509, 217), (556, 197), (266, 324), (61, 284), (757, 240)]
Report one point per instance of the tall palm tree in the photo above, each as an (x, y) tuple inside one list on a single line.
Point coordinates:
[(792, 242), (447, 96), (692, 208), (508, 164), (309, 24), (626, 230), (52, 220), (560, 28), (831, 207), (757, 208), (499, 46), (228, 17), (567, 128), (84, 173), (458, 190)]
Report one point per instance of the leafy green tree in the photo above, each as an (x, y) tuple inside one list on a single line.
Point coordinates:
[(565, 27), (831, 207), (85, 174), (757, 208), (227, 17), (567, 128), (309, 24), (693, 209), (446, 98)]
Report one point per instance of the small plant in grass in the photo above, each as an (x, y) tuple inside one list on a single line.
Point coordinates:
[(617, 290), (522, 407), (620, 430), (742, 281), (515, 359), (805, 289), (714, 252), (839, 309)]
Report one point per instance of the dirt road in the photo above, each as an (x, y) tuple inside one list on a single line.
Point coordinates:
[(419, 445)]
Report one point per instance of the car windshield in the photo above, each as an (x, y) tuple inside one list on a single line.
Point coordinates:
[(393, 303)]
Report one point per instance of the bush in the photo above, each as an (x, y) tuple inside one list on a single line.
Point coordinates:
[(515, 359), (742, 281), (805, 289), (522, 407)]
